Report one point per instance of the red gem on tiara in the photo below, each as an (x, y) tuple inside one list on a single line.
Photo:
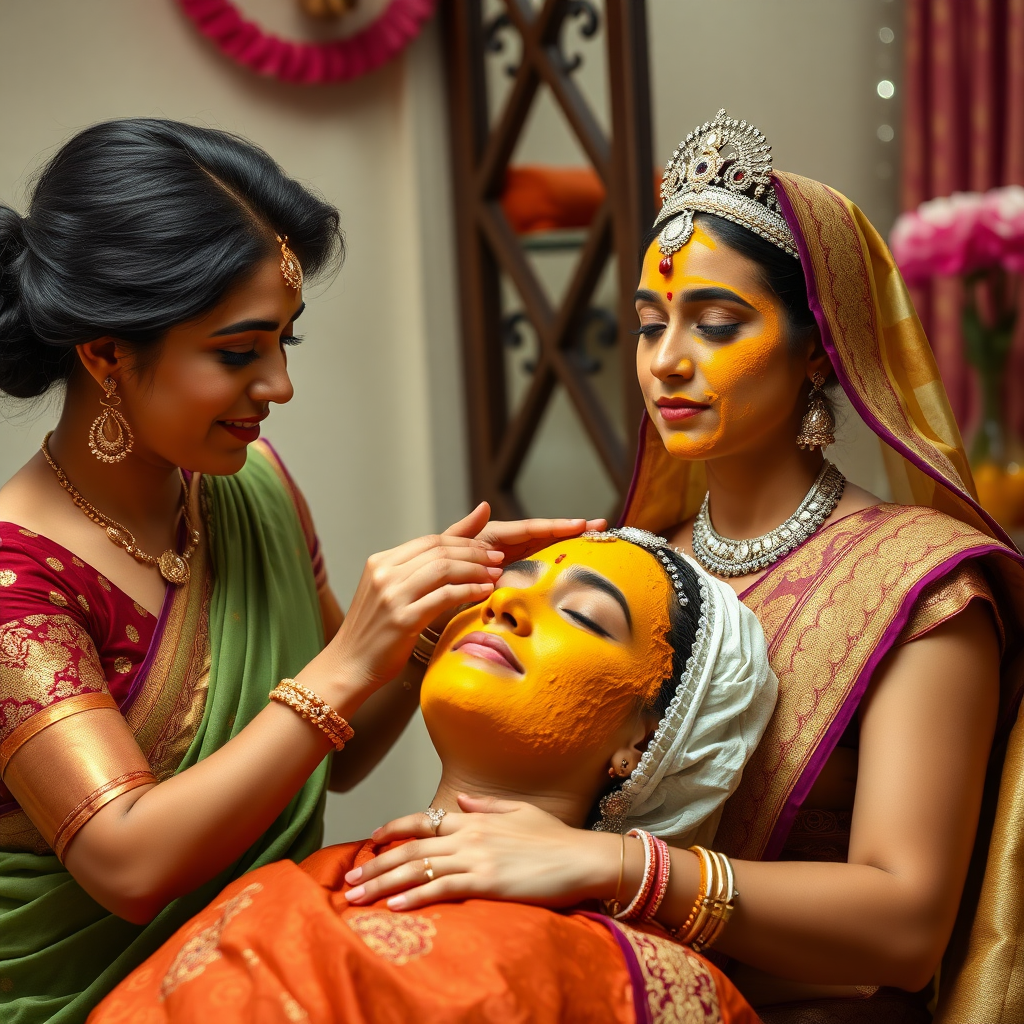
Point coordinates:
[(665, 266)]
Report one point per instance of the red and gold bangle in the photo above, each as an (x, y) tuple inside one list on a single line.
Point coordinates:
[(662, 867), (639, 901), (315, 710)]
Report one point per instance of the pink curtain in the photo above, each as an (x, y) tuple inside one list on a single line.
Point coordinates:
[(963, 130)]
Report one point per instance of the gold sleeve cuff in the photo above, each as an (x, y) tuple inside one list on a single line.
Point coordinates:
[(50, 715), (71, 763)]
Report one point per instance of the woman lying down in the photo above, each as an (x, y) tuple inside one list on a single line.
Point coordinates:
[(606, 682)]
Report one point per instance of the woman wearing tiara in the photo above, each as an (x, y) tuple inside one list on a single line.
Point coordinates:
[(157, 278), (894, 627), (515, 708)]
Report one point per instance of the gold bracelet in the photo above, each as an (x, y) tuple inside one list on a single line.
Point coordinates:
[(315, 710), (686, 931)]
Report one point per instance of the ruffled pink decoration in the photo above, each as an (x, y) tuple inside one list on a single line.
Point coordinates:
[(309, 63), (961, 233)]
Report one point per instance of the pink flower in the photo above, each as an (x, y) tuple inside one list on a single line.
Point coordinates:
[(939, 237), (1000, 228), (961, 233)]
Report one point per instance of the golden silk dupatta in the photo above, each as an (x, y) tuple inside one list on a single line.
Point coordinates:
[(868, 571)]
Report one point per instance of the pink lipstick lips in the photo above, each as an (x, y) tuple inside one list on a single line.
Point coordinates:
[(679, 408), (490, 647)]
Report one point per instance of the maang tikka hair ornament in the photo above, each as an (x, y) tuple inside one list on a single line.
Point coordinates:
[(724, 167), (291, 269), (110, 437)]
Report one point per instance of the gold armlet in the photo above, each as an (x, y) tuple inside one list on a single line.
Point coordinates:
[(315, 710), (72, 759)]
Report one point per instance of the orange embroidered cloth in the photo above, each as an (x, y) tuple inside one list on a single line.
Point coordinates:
[(282, 945)]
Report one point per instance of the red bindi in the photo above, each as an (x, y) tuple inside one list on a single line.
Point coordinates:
[(669, 294), (665, 266), (559, 558)]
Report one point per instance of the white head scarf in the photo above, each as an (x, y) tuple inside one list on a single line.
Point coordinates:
[(720, 709)]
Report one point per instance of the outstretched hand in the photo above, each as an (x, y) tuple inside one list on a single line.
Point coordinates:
[(491, 849), (522, 537)]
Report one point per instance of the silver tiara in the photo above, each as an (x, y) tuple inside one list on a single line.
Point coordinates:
[(724, 167)]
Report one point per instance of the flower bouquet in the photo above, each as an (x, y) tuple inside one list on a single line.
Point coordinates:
[(978, 236)]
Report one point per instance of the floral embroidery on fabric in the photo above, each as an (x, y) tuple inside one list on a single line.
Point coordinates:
[(395, 937), (203, 948), (680, 989), (43, 659)]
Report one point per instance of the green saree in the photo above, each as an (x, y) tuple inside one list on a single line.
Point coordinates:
[(248, 617)]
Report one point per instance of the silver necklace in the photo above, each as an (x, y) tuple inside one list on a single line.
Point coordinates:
[(725, 557)]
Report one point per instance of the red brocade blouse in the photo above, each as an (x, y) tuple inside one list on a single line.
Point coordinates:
[(72, 641)]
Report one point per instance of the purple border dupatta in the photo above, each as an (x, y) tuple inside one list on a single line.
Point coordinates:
[(833, 608)]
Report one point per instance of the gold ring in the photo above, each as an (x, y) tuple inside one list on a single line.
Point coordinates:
[(428, 870)]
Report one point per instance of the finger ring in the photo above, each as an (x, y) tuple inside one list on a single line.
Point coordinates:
[(428, 870), (435, 814)]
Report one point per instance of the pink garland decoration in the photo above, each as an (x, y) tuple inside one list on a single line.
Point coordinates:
[(309, 63)]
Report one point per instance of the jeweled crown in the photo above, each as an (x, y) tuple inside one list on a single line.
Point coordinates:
[(724, 168)]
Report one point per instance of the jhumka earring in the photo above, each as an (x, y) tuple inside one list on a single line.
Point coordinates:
[(818, 427), (110, 437)]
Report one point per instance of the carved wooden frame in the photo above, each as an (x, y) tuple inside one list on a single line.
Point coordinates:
[(487, 245)]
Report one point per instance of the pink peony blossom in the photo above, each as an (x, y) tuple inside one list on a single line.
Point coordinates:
[(938, 238), (1000, 228), (961, 233)]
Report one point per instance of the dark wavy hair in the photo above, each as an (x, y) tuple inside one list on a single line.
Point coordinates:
[(138, 225)]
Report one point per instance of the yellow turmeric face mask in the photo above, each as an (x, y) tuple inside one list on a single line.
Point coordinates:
[(713, 359), (569, 647)]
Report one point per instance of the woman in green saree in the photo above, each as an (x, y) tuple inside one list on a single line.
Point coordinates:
[(158, 277)]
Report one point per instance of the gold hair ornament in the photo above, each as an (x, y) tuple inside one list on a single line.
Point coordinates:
[(291, 269), (724, 168), (172, 566), (110, 437)]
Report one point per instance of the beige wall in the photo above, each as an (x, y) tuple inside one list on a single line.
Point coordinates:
[(374, 433)]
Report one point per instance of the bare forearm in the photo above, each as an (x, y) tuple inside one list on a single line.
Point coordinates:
[(812, 922), (152, 845), (378, 725)]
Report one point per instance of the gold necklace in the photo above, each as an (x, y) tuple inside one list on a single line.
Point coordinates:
[(173, 567)]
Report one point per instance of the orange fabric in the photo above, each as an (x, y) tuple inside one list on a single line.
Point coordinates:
[(540, 198), (282, 945)]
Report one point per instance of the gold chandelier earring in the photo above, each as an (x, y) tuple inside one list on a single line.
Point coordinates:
[(110, 437), (818, 427)]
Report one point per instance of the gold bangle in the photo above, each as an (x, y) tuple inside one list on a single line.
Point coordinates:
[(315, 710), (613, 906), (424, 649), (686, 931), (722, 905)]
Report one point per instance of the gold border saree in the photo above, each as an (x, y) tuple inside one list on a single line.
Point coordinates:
[(249, 617), (834, 607)]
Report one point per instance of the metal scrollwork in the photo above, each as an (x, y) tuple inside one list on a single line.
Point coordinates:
[(493, 41), (588, 29)]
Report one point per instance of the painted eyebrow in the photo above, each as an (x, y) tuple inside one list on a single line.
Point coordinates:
[(255, 325), (528, 566), (713, 295), (587, 578), (646, 295)]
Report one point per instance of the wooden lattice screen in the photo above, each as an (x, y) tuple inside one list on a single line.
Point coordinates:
[(500, 437)]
